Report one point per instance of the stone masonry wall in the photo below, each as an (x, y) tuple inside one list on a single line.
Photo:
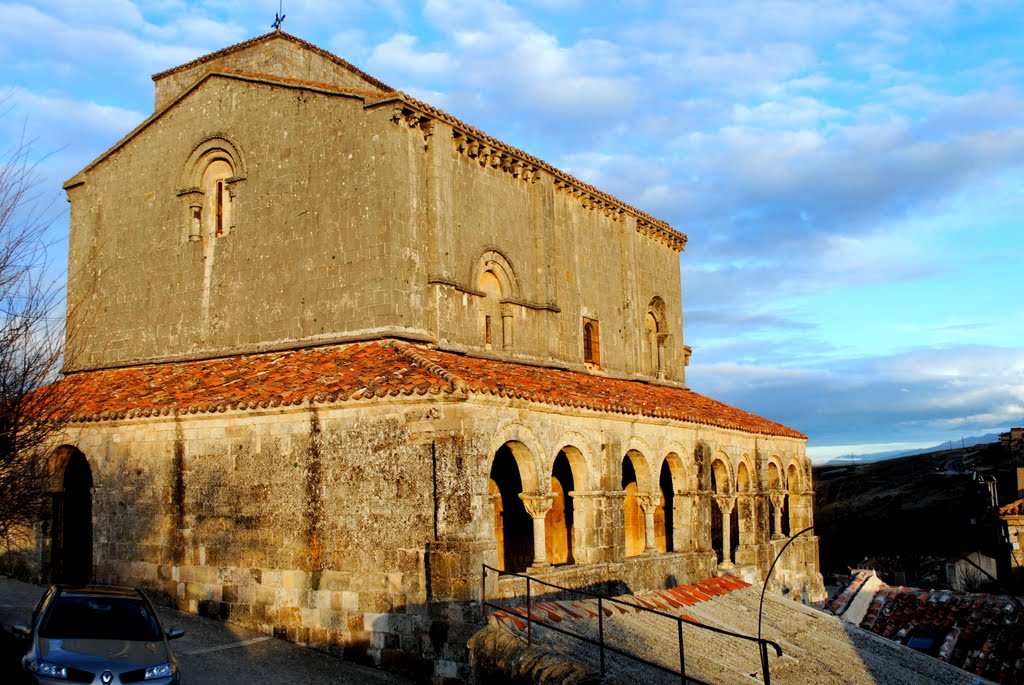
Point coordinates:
[(279, 57), (361, 527), (346, 222)]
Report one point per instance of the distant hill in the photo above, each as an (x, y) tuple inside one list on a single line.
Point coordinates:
[(894, 454), (909, 512)]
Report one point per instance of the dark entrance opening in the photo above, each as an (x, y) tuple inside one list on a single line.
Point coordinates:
[(513, 526), (560, 520), (71, 533), (664, 527)]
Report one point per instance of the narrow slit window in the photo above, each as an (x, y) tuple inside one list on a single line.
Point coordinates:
[(591, 342), (220, 208)]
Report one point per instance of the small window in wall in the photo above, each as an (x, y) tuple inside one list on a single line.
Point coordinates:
[(208, 183), (591, 342)]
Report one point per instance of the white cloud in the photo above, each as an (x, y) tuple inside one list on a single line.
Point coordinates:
[(400, 55)]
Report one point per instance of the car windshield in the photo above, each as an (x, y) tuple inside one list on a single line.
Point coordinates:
[(99, 618)]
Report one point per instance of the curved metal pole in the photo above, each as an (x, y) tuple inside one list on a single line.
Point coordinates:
[(760, 607)]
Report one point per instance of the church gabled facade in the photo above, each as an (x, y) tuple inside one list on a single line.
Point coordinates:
[(335, 349)]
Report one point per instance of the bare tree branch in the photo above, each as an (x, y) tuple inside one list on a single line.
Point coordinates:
[(33, 406)]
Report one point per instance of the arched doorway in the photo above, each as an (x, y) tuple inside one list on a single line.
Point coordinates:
[(513, 527), (559, 522), (71, 532)]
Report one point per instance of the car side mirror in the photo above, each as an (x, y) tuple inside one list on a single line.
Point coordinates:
[(174, 633), (21, 630)]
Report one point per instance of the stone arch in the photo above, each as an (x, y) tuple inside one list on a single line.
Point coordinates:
[(793, 522), (775, 479), (722, 482), (71, 520), (672, 478), (743, 477), (513, 525), (636, 483), (527, 452), (497, 284), (636, 450), (655, 328), (579, 451), (683, 511), (208, 183), (723, 497), (742, 519), (776, 483), (575, 496), (560, 520)]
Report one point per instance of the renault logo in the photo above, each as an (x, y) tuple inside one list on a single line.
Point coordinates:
[(107, 677)]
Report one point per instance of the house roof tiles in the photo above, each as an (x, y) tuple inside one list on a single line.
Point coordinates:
[(977, 632), (336, 373)]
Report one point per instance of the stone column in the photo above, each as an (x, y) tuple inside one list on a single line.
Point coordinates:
[(726, 503), (778, 499), (537, 506), (701, 515), (586, 526), (683, 524), (649, 502), (614, 519), (506, 326)]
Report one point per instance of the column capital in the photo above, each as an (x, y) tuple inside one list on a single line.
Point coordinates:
[(778, 498), (537, 504), (648, 501), (725, 503)]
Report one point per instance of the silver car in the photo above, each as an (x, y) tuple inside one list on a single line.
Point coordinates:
[(97, 634)]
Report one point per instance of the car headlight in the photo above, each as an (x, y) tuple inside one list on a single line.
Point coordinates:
[(159, 671), (47, 669)]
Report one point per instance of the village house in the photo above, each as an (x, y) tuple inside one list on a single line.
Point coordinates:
[(334, 349)]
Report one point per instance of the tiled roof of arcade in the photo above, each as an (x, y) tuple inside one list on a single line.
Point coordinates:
[(389, 368)]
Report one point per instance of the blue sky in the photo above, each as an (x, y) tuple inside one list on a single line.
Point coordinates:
[(850, 174)]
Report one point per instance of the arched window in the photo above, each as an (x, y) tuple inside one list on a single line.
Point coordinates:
[(591, 342), (491, 322), (208, 185), (654, 338), (498, 288)]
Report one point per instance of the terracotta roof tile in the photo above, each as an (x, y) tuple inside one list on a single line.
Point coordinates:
[(355, 371), (977, 632)]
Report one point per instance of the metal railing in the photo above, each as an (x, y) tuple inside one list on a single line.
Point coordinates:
[(600, 643)]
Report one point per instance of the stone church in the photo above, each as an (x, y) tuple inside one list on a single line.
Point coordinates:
[(333, 350)]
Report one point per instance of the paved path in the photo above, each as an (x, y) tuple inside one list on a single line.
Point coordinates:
[(211, 651)]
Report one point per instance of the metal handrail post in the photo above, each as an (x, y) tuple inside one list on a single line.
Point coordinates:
[(682, 656), (765, 669), (600, 631), (529, 615)]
